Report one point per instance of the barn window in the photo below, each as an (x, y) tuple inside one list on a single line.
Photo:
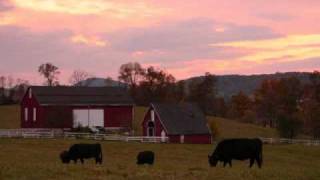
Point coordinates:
[(30, 93), (34, 114), (152, 115), (26, 114)]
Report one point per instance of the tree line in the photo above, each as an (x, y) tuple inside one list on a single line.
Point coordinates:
[(285, 104)]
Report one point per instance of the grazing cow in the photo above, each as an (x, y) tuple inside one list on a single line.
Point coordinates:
[(239, 149), (145, 157), (82, 151)]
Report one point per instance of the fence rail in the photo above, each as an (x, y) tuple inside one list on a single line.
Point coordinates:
[(51, 134), (308, 142), (59, 133)]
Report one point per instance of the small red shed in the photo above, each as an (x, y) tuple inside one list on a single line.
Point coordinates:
[(181, 123), (43, 107)]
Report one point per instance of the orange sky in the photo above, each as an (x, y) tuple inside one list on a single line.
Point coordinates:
[(187, 38)]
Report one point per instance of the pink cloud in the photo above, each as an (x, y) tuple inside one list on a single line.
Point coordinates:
[(99, 36)]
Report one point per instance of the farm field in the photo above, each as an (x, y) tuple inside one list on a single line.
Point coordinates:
[(38, 159)]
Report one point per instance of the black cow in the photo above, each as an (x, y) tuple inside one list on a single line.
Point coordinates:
[(145, 157), (82, 151), (239, 149)]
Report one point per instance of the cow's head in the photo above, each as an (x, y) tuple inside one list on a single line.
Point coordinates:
[(213, 160), (64, 156)]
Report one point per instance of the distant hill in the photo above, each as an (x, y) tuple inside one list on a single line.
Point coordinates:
[(99, 82), (228, 85)]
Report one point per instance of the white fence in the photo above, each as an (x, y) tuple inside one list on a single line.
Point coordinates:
[(51, 134), (59, 133), (290, 141)]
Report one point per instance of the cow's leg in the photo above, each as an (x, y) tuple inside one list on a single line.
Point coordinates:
[(81, 159), (259, 162), (230, 163), (98, 160), (224, 163), (75, 161), (251, 162)]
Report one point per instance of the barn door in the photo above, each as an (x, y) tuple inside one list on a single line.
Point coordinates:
[(88, 117), (80, 118), (96, 117)]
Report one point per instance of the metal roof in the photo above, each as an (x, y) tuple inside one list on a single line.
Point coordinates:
[(181, 119), (64, 95)]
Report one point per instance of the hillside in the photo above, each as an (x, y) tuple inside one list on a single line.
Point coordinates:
[(99, 82), (10, 118), (228, 85), (233, 129)]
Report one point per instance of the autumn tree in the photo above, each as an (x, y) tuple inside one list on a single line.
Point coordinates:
[(203, 93), (131, 74), (78, 76), (3, 82), (50, 73), (179, 93), (289, 125), (220, 107), (240, 107), (157, 85), (277, 101), (310, 105), (265, 102)]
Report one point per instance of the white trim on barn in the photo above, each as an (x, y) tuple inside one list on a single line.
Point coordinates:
[(152, 115), (163, 136), (34, 114), (26, 114), (164, 127)]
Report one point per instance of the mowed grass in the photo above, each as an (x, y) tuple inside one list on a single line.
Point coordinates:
[(38, 159), (9, 117)]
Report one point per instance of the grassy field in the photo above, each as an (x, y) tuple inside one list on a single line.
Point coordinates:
[(38, 159), (9, 117), (230, 128)]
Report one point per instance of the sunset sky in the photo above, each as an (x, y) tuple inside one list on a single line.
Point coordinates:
[(185, 37)]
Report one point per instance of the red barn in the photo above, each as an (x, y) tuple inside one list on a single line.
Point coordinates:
[(45, 107), (181, 123)]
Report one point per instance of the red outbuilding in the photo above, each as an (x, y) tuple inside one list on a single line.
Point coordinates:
[(181, 123), (70, 107)]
